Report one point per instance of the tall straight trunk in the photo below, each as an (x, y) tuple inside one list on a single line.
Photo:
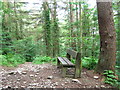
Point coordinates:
[(16, 23), (77, 27), (56, 32), (107, 33), (73, 32), (80, 30), (71, 22), (118, 38), (93, 36), (68, 43), (85, 31), (46, 27)]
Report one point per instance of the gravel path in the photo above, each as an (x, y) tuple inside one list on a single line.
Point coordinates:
[(29, 75)]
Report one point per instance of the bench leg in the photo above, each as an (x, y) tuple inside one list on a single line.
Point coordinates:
[(58, 63), (78, 72), (64, 71)]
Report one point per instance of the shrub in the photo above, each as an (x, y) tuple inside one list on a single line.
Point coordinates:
[(26, 48), (89, 62), (110, 78), (42, 59), (11, 60), (3, 60)]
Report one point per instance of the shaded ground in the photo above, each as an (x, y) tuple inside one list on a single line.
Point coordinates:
[(29, 75)]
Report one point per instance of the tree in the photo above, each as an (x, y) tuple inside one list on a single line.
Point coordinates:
[(55, 31), (80, 31), (86, 30), (107, 33), (46, 27), (6, 37), (72, 26)]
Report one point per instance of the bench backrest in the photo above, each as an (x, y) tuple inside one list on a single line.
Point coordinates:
[(74, 54)]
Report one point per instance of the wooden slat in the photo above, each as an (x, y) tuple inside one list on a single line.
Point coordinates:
[(72, 53), (68, 62), (62, 61)]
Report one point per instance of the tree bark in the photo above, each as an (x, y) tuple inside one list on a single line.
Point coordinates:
[(80, 31), (46, 27), (73, 33), (55, 31), (118, 38), (16, 22), (107, 33)]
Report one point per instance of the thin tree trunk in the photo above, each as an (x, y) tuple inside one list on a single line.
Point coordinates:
[(118, 38), (77, 28), (16, 22), (73, 32), (107, 33), (56, 32), (80, 27), (71, 22)]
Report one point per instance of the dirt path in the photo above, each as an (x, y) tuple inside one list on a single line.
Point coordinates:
[(29, 75)]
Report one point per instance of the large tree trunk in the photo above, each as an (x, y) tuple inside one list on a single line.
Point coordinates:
[(107, 33)]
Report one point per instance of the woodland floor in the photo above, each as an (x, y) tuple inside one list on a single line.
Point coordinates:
[(30, 75)]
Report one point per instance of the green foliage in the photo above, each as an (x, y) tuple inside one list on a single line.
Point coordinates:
[(26, 47), (73, 61), (3, 59), (42, 59), (11, 60), (46, 27), (110, 78), (118, 73), (6, 43), (89, 62)]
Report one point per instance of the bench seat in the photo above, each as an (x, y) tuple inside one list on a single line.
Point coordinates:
[(66, 62)]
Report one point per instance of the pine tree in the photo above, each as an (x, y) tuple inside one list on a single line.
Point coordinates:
[(46, 27)]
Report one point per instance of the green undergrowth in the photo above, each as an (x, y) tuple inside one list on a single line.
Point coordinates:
[(118, 73), (43, 59), (11, 60), (111, 78), (88, 62)]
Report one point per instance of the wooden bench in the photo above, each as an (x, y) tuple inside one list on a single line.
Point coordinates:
[(66, 63)]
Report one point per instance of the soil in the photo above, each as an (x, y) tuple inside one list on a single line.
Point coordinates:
[(47, 75)]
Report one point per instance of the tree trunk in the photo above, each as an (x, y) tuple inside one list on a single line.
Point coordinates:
[(118, 38), (80, 25), (73, 33), (56, 32), (46, 27), (16, 23), (107, 33)]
